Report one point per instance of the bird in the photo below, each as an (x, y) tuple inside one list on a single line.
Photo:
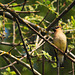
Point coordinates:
[(60, 41)]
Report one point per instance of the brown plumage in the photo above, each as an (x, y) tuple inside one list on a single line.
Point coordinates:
[(61, 42)]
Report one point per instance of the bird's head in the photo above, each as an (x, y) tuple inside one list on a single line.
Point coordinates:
[(57, 28)]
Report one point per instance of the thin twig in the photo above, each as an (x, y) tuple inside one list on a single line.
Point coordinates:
[(13, 32), (3, 26), (13, 47), (70, 53), (70, 50), (7, 66), (9, 44), (41, 40), (11, 2), (23, 5), (68, 30), (27, 12), (17, 5), (58, 70), (71, 71), (37, 40), (44, 17), (18, 51), (43, 62), (24, 11), (14, 38), (57, 8), (73, 67)]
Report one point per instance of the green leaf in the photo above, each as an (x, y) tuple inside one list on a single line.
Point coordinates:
[(13, 73), (16, 8), (44, 0), (47, 56), (47, 2), (54, 65), (8, 72), (8, 69)]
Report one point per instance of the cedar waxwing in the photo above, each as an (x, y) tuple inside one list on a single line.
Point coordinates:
[(61, 42)]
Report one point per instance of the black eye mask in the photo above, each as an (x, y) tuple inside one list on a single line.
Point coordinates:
[(56, 27)]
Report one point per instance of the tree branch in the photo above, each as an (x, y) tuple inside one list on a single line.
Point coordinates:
[(9, 44)]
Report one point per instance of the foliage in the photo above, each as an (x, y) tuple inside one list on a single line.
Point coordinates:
[(48, 57), (8, 72), (30, 38)]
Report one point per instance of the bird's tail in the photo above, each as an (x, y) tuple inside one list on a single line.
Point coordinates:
[(60, 60)]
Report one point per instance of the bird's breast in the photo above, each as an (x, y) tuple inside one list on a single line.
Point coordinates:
[(60, 41)]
